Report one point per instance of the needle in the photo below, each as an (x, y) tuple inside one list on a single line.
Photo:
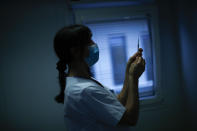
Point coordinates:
[(138, 44)]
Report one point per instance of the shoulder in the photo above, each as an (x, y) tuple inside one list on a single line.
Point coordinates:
[(93, 90)]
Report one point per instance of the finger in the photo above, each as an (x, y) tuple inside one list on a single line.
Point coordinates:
[(143, 62), (134, 57), (140, 50), (140, 54), (139, 60), (136, 54)]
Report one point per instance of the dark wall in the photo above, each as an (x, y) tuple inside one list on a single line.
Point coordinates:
[(187, 22), (28, 78), (179, 19)]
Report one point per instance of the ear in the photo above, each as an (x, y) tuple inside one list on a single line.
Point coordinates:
[(74, 52), (78, 52)]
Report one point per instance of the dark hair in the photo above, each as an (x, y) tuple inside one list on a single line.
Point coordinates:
[(65, 38)]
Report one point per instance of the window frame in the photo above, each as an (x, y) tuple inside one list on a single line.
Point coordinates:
[(84, 13)]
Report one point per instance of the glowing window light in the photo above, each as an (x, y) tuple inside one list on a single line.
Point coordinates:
[(117, 39)]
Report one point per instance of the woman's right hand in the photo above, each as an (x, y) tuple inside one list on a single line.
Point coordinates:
[(132, 59), (137, 67)]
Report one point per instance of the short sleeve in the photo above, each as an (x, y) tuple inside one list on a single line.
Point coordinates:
[(102, 105)]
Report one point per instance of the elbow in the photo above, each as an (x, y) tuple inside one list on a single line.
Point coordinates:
[(133, 119), (133, 122), (129, 118)]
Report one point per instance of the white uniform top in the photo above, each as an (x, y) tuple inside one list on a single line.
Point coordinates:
[(90, 107)]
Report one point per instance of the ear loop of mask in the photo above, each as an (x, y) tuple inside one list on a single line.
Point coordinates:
[(67, 69)]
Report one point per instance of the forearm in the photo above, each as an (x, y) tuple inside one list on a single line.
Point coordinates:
[(129, 94), (130, 86), (122, 96), (132, 103), (133, 95)]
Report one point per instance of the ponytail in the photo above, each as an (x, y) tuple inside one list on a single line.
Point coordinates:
[(68, 37), (61, 67)]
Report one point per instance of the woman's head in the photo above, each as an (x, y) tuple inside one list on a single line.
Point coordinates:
[(70, 43), (67, 38)]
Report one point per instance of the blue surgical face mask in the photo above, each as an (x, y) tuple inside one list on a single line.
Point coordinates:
[(93, 55)]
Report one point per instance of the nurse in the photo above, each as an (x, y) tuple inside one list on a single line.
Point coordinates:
[(88, 105)]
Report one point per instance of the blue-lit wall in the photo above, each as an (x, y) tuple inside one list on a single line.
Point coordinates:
[(187, 23), (28, 78)]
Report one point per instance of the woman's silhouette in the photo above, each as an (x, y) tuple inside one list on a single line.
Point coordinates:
[(89, 106)]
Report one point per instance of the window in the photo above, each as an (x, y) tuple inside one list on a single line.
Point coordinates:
[(117, 41), (116, 29)]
